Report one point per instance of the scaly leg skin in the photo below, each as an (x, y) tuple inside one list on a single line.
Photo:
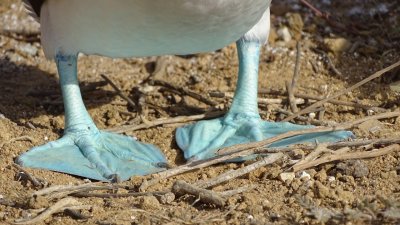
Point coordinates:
[(242, 123), (84, 150)]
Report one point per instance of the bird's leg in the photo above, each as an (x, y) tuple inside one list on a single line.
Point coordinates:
[(242, 123), (86, 151)]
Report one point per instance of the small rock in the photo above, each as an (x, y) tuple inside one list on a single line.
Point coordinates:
[(168, 198), (287, 176), (312, 172), (284, 34), (149, 202), (321, 176), (298, 154), (27, 49), (267, 205), (195, 79), (355, 168), (331, 178), (305, 175), (337, 45), (296, 24), (322, 190), (345, 196), (296, 184)]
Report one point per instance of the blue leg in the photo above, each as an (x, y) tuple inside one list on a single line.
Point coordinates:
[(84, 150), (242, 123)]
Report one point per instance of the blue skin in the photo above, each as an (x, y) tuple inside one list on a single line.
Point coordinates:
[(84, 150), (243, 123)]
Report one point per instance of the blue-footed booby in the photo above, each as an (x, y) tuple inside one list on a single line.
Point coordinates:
[(137, 28)]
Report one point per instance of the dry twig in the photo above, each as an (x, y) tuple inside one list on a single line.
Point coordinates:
[(346, 156), (240, 172), (318, 98), (60, 191), (357, 143), (290, 87), (184, 91), (36, 183), (227, 194), (206, 196), (58, 207), (119, 91), (22, 138), (158, 122), (366, 80)]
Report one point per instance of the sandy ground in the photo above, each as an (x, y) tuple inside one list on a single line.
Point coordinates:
[(351, 192)]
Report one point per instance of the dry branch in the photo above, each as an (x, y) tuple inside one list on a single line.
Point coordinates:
[(318, 98), (206, 196), (366, 80), (119, 91), (240, 172), (347, 156), (58, 207), (36, 183), (174, 120), (184, 91)]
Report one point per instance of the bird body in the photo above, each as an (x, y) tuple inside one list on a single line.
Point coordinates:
[(136, 28)]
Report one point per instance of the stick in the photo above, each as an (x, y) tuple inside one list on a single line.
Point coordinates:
[(206, 196), (227, 194), (49, 211), (290, 87), (36, 183), (307, 119), (269, 101), (336, 145), (318, 98), (347, 156), (22, 138), (366, 80), (240, 172), (60, 191), (158, 122), (184, 91), (119, 92), (7, 202), (117, 195)]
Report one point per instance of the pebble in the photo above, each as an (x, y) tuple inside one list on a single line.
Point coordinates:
[(355, 168), (337, 45), (331, 178), (287, 176), (305, 175), (284, 34), (27, 49), (321, 176), (168, 198), (149, 202), (322, 190)]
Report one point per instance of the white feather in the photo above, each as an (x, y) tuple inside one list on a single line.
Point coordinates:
[(129, 28)]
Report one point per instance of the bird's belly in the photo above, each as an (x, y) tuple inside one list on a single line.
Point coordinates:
[(127, 28)]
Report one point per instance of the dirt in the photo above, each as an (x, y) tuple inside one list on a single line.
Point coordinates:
[(350, 192)]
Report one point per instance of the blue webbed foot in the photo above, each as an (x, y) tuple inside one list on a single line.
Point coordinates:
[(242, 123), (202, 139), (97, 155), (84, 150)]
